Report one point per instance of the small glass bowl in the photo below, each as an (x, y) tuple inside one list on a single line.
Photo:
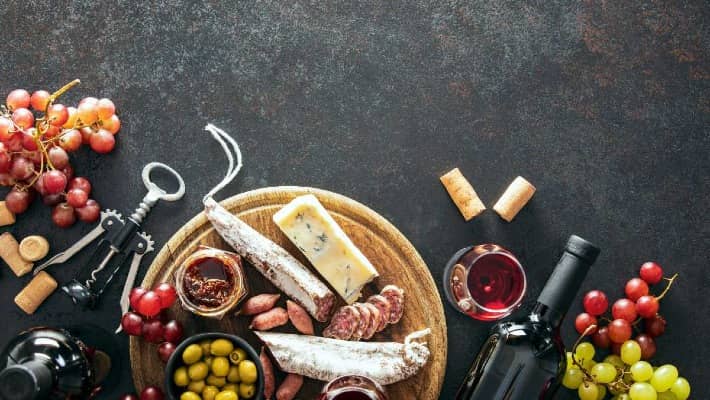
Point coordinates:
[(230, 261), (353, 386)]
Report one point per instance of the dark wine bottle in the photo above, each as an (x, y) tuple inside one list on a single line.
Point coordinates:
[(524, 360), (48, 363)]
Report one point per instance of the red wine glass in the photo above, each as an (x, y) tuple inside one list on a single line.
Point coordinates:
[(485, 282), (353, 387)]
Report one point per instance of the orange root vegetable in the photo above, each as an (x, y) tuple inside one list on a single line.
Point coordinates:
[(289, 387), (269, 380), (270, 319), (299, 318), (259, 304)]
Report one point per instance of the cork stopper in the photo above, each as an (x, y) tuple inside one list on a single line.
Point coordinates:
[(36, 292), (462, 193), (515, 197), (34, 248), (6, 216), (10, 253)]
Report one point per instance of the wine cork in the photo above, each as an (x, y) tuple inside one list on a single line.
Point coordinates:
[(32, 296), (462, 193), (518, 193), (10, 253), (6, 216), (34, 248)]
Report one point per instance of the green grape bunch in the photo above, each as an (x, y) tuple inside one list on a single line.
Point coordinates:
[(626, 373)]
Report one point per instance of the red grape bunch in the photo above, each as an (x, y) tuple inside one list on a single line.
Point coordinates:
[(36, 136), (639, 306), (145, 319), (625, 372), (148, 393)]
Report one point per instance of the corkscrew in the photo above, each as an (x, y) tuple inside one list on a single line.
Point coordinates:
[(122, 241)]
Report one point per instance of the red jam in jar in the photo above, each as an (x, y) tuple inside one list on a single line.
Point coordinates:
[(210, 282)]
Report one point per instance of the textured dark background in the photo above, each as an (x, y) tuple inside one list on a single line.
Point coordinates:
[(604, 106)]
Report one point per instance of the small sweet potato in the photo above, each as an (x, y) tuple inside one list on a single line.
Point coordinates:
[(269, 379), (299, 318), (270, 319), (259, 304), (289, 387)]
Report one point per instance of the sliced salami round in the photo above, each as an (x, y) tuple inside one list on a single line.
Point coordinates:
[(364, 321), (374, 323), (343, 324), (395, 296), (383, 304)]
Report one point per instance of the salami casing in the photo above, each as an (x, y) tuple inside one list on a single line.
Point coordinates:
[(326, 359)]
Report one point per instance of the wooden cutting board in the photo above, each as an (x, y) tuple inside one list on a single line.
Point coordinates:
[(394, 257)]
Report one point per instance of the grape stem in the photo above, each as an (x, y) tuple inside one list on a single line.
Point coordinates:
[(586, 332), (54, 96), (670, 283)]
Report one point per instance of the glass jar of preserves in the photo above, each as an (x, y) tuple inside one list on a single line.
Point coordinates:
[(211, 282)]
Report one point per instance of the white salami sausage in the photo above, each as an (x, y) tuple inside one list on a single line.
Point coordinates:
[(326, 359), (275, 263)]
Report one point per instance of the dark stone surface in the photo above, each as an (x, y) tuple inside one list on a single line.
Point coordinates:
[(604, 106)]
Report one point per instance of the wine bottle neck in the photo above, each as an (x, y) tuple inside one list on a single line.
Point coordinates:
[(543, 313), (566, 279), (31, 379)]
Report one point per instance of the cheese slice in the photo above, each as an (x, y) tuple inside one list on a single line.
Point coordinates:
[(309, 226)]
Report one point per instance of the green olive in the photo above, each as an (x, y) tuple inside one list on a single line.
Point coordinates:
[(230, 387), (208, 360), (209, 393), (246, 390), (221, 347), (216, 381), (180, 377), (237, 356), (227, 395), (205, 345), (233, 375), (247, 371), (192, 354), (220, 366), (196, 386), (189, 396), (197, 371)]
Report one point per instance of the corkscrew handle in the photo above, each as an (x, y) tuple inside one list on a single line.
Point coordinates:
[(156, 193)]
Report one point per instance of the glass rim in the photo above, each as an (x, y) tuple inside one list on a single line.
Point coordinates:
[(502, 251)]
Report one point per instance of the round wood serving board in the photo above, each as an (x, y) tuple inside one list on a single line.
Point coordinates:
[(389, 251)]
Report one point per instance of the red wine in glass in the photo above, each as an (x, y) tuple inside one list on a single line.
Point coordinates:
[(485, 282), (353, 387)]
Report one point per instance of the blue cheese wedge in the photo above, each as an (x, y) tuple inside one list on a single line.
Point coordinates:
[(309, 226)]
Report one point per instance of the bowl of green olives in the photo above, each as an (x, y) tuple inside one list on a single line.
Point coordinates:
[(214, 366)]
